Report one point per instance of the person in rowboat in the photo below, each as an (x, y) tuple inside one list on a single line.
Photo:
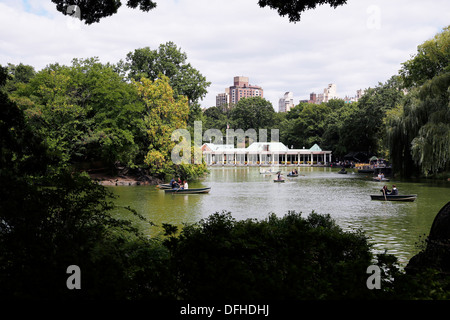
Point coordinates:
[(174, 184), (385, 190), (394, 190)]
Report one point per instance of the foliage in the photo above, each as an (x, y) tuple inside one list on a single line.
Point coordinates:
[(215, 118), (373, 106), (294, 8), (307, 126), (171, 62), (93, 11), (341, 134), (431, 60), (419, 132), (51, 218), (252, 113), (276, 258), (164, 114), (86, 112)]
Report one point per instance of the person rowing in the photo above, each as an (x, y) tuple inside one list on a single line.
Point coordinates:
[(394, 191), (385, 191), (279, 176)]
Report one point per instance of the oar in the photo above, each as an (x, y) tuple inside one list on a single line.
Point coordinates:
[(384, 192)]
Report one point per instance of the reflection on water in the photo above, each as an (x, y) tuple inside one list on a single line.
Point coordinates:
[(246, 193)]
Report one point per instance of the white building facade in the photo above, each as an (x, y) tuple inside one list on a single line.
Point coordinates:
[(286, 103), (264, 153)]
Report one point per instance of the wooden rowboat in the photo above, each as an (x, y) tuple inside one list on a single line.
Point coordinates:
[(389, 197), (276, 180), (164, 186), (380, 179), (187, 191)]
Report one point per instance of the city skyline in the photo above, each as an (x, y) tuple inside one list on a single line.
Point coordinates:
[(241, 83)]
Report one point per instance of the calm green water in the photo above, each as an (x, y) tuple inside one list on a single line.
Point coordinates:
[(395, 226)]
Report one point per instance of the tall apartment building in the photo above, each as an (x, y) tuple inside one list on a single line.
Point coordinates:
[(328, 94), (223, 99), (286, 103), (240, 89), (359, 94)]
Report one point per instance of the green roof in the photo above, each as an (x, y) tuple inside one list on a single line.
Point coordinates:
[(315, 148)]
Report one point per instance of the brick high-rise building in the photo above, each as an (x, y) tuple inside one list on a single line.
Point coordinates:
[(242, 89)]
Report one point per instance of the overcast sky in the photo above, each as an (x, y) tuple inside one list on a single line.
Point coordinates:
[(354, 46)]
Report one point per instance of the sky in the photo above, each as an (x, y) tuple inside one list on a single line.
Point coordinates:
[(354, 46)]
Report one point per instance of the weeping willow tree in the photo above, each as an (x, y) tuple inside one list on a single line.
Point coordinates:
[(431, 147), (418, 131)]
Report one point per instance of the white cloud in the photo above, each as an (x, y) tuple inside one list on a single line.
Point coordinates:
[(355, 46)]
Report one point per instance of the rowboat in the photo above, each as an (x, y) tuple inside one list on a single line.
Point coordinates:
[(164, 186), (380, 179), (276, 180), (390, 197), (187, 191), (292, 175)]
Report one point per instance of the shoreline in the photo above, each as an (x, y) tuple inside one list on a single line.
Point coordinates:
[(124, 180)]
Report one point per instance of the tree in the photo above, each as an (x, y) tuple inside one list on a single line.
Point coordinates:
[(164, 114), (51, 218), (276, 258), (171, 62), (93, 11), (305, 125), (418, 132), (368, 122), (432, 59), (252, 113), (215, 118), (339, 135), (294, 8), (85, 111)]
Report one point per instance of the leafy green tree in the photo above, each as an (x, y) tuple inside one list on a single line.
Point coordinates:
[(172, 63), (252, 113), (93, 11), (305, 125), (51, 218), (294, 8), (276, 258), (19, 75), (85, 111), (432, 59), (165, 113), (418, 132), (215, 118), (368, 122), (339, 135)]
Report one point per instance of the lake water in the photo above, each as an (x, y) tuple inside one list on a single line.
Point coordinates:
[(398, 227)]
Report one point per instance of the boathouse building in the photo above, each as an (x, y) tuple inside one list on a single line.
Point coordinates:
[(263, 153)]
